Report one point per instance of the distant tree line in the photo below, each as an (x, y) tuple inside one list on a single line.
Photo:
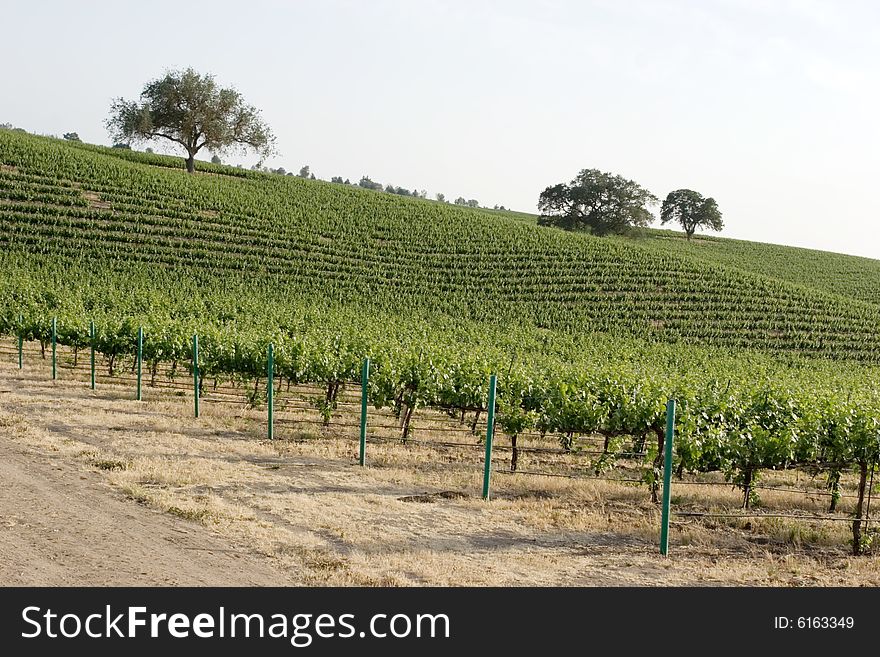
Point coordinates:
[(192, 111)]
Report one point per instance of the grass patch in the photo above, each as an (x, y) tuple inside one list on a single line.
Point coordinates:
[(136, 493), (109, 464), (198, 515)]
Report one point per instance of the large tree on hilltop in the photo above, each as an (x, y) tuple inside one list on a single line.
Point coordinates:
[(600, 202), (690, 210), (191, 110)]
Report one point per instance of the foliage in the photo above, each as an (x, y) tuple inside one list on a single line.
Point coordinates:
[(366, 183), (691, 210), (345, 245), (191, 110), (835, 274), (602, 203)]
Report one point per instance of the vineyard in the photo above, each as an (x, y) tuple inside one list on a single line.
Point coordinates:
[(803, 491), (843, 275), (589, 338), (331, 242)]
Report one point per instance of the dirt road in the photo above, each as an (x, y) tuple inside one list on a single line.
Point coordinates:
[(63, 524)]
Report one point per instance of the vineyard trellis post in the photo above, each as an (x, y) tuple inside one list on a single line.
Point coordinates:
[(54, 347), (490, 431), (270, 389), (196, 373), (140, 360), (667, 476), (365, 379), (20, 341), (92, 344)]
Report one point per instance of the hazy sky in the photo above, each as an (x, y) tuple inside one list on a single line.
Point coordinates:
[(769, 106)]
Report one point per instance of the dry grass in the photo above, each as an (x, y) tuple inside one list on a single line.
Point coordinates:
[(413, 516), (95, 200)]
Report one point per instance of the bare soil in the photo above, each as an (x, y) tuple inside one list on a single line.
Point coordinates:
[(62, 524)]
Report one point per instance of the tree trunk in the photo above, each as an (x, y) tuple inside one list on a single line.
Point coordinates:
[(406, 420), (476, 420), (332, 393), (639, 443), (657, 465), (191, 164), (835, 490), (514, 456), (154, 369), (747, 489), (857, 523), (75, 355)]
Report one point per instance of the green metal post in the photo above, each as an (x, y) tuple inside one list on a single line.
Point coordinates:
[(667, 476), (271, 391), (490, 432), (20, 341), (365, 380), (196, 372), (54, 343), (140, 363), (92, 342)]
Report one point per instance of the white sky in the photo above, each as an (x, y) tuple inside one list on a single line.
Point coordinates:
[(769, 106)]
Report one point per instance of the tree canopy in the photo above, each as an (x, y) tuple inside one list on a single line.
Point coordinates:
[(602, 203), (690, 210), (191, 110)]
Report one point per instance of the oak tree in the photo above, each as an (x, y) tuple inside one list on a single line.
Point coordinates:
[(602, 203), (691, 211), (191, 110)]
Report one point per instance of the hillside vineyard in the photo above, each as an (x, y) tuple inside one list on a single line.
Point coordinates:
[(587, 335), (355, 246)]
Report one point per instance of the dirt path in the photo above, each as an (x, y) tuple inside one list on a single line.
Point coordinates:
[(62, 524)]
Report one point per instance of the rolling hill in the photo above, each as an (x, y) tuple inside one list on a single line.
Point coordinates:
[(94, 207), (772, 358)]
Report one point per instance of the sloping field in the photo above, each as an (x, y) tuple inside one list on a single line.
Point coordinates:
[(845, 276), (329, 242), (589, 337)]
